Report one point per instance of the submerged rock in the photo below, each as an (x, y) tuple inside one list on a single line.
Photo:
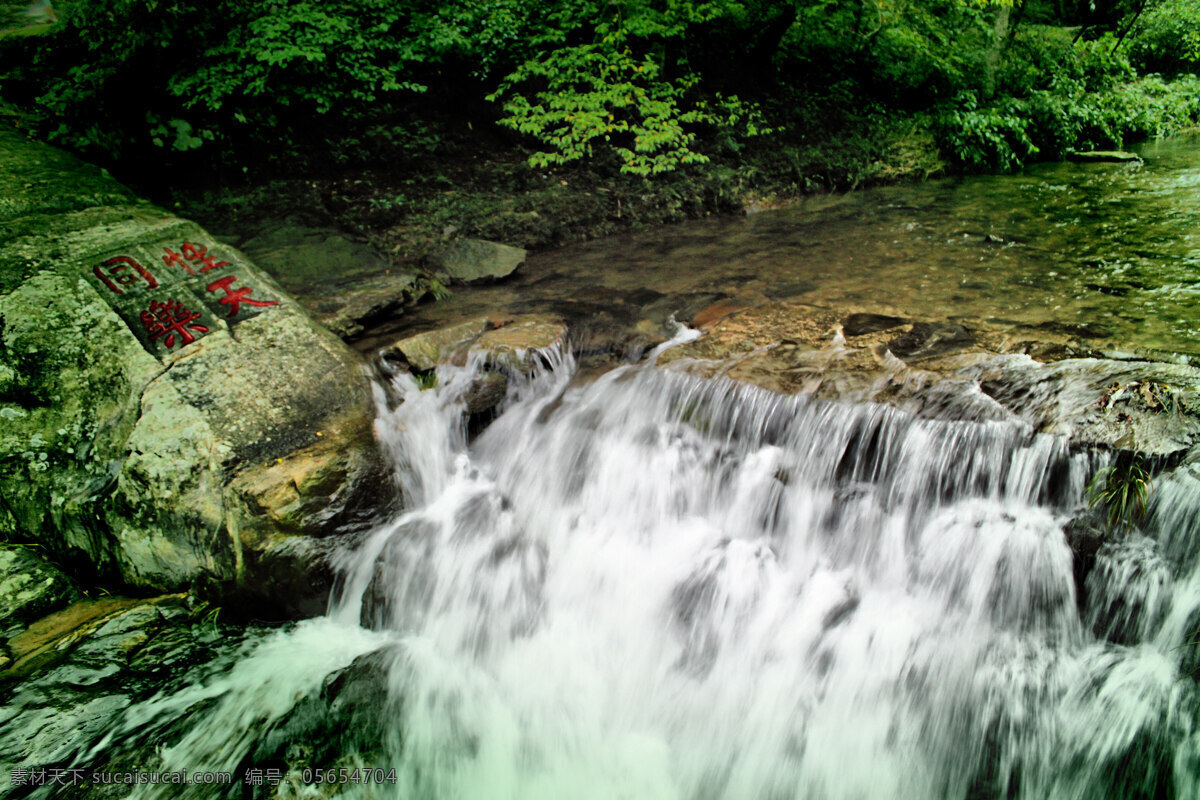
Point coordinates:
[(925, 340), (860, 324), (169, 412)]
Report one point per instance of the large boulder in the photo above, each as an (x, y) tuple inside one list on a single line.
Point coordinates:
[(170, 415)]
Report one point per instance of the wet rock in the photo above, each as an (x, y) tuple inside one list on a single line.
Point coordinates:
[(30, 587), (153, 382), (471, 260), (293, 578), (342, 725), (105, 627), (424, 351), (1103, 156), (927, 339), (78, 670), (340, 280), (486, 392), (860, 324), (515, 343), (1085, 536), (792, 348), (1099, 401), (508, 343)]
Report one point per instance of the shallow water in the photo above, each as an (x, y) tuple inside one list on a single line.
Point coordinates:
[(1107, 255)]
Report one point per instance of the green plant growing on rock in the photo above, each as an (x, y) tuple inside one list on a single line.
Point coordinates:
[(430, 285), (1122, 490)]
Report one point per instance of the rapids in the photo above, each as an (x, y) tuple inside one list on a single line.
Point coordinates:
[(656, 587)]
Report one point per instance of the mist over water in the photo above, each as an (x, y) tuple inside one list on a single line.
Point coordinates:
[(654, 586)]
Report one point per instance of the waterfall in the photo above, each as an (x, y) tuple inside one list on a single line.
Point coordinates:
[(657, 587)]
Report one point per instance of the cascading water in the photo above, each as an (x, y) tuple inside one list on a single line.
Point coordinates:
[(652, 586)]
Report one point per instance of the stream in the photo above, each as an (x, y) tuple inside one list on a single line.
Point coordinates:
[(1106, 256), (642, 584)]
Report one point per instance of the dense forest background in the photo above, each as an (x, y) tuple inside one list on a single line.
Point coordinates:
[(387, 103)]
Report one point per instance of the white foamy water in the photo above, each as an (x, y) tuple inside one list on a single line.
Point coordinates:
[(656, 587)]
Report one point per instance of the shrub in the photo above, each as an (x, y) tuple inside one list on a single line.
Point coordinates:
[(990, 138), (1167, 38), (602, 95)]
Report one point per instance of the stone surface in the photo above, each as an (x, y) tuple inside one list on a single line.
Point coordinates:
[(860, 324), (303, 257), (470, 260), (514, 343), (30, 587), (486, 392), (76, 672), (1148, 407), (509, 343), (927, 339), (424, 351), (168, 410), (354, 307), (342, 281), (1103, 156)]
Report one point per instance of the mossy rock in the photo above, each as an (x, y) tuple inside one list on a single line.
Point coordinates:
[(153, 380)]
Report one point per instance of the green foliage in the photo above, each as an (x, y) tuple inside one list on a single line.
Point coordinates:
[(986, 138), (131, 73), (1121, 490), (1059, 96), (429, 285), (644, 87), (206, 614), (1167, 38), (936, 48), (576, 98)]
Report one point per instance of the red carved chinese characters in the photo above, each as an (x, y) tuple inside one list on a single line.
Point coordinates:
[(235, 297), (192, 255), (121, 270), (163, 320)]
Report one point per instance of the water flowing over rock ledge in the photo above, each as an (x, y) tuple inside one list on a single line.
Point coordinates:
[(943, 370)]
